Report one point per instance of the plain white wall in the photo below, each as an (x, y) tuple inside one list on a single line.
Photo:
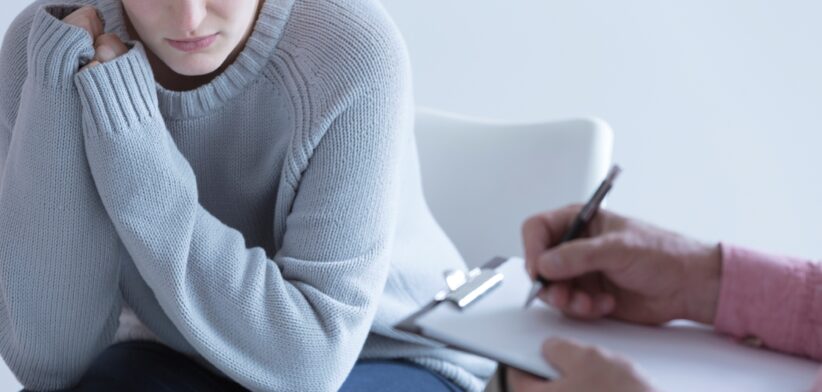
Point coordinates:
[(716, 105)]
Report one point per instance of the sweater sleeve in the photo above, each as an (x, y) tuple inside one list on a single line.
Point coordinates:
[(58, 276), (294, 322), (775, 299)]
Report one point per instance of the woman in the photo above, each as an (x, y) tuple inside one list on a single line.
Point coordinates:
[(239, 180)]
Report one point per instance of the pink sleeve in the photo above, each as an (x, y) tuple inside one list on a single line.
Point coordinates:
[(775, 299)]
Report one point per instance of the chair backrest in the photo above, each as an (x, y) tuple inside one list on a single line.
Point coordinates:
[(483, 178)]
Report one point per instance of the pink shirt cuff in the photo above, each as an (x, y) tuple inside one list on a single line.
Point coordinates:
[(773, 299)]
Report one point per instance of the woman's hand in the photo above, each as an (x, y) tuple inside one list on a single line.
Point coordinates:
[(107, 46), (581, 368), (87, 18), (622, 268)]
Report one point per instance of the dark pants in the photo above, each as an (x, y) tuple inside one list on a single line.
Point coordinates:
[(147, 366)]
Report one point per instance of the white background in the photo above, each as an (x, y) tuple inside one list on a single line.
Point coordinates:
[(716, 105)]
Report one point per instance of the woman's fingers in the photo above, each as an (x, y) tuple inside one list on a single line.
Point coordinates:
[(87, 18), (91, 64), (108, 47)]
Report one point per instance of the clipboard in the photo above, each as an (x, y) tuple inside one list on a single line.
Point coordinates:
[(481, 312)]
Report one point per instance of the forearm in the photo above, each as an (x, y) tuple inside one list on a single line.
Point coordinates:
[(772, 298), (58, 255), (281, 324)]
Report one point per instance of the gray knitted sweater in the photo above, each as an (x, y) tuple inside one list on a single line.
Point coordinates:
[(270, 223)]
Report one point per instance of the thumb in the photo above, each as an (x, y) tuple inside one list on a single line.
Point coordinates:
[(543, 231), (578, 257), (565, 355)]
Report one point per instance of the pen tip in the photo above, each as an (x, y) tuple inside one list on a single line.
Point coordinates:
[(613, 173), (532, 294)]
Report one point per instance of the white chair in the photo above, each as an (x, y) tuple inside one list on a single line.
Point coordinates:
[(483, 178)]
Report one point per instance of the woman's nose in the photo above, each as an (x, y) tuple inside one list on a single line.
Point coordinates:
[(188, 14)]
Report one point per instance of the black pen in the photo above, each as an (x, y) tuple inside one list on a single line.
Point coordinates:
[(580, 222)]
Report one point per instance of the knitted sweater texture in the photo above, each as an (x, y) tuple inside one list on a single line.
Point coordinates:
[(270, 224)]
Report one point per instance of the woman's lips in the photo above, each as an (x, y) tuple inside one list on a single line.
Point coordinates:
[(194, 44)]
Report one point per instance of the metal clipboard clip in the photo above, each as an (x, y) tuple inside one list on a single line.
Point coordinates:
[(464, 288)]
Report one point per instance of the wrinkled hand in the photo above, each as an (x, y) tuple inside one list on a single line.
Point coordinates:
[(622, 268), (107, 46), (582, 369)]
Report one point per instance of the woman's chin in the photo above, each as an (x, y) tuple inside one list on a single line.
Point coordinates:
[(195, 65)]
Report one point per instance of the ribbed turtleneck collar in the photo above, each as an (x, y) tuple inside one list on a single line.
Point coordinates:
[(245, 69)]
